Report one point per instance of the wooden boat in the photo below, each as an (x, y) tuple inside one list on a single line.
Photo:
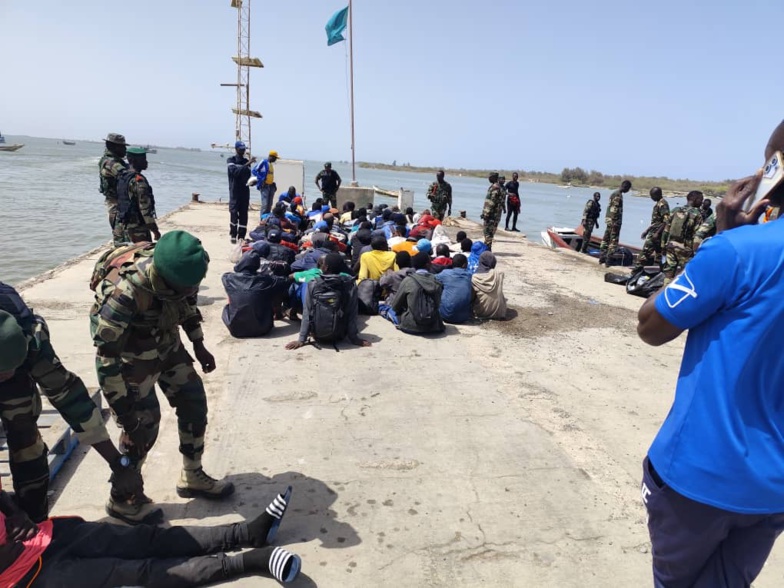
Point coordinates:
[(69, 142), (15, 147), (565, 238)]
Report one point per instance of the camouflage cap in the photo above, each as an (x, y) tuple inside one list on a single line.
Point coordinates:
[(116, 138), (13, 343), (137, 151)]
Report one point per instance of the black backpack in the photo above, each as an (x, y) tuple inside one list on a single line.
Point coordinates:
[(424, 309), (12, 303), (369, 294), (645, 282), (329, 296)]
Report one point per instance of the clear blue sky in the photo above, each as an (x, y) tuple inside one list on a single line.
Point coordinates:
[(674, 87)]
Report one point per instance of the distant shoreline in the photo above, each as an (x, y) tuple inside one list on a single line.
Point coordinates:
[(594, 180)]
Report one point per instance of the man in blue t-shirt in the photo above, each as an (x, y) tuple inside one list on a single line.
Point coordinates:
[(713, 480)]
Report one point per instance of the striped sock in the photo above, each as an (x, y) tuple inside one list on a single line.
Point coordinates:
[(281, 564), (263, 529)]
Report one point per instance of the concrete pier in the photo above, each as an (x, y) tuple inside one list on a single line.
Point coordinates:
[(499, 454)]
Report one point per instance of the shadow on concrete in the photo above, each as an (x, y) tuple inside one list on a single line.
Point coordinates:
[(309, 516), (511, 314)]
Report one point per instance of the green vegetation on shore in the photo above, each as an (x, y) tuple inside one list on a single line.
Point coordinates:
[(577, 177)]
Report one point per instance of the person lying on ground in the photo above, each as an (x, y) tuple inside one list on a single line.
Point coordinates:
[(457, 294), (69, 551), (330, 306), (442, 259), (391, 280), (378, 260), (414, 308), (488, 285)]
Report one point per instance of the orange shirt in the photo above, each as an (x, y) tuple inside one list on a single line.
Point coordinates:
[(409, 246)]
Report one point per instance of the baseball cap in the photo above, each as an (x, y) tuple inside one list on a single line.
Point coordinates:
[(273, 153), (240, 145)]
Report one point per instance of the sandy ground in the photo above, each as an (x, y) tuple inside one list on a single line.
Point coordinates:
[(499, 454)]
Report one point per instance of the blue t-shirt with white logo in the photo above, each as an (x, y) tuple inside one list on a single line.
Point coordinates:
[(722, 443)]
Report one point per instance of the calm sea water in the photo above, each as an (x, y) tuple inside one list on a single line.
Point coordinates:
[(51, 210)]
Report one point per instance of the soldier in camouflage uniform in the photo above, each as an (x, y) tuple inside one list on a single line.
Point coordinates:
[(111, 165), (612, 223), (493, 209), (652, 248), (28, 362), (590, 220), (679, 233), (440, 194), (143, 295), (136, 215), (705, 231)]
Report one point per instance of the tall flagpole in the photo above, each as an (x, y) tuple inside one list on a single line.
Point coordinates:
[(351, 61)]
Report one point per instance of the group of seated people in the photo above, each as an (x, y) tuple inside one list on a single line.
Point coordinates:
[(330, 266)]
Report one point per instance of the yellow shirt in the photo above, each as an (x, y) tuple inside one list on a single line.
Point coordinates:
[(270, 179), (373, 264)]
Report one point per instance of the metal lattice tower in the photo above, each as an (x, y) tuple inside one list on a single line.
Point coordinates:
[(242, 112)]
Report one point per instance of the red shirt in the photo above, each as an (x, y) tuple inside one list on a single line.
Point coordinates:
[(33, 549)]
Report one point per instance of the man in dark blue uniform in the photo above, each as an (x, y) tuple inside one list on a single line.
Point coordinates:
[(239, 192)]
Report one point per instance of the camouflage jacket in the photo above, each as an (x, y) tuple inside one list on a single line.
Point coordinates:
[(706, 230), (494, 203), (615, 209), (110, 167), (136, 320), (139, 190), (440, 194), (690, 219), (64, 390), (660, 214), (591, 213)]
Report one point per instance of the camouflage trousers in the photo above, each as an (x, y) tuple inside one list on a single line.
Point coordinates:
[(132, 233), (587, 232), (20, 407), (677, 258), (183, 389), (438, 213), (609, 241), (491, 226), (117, 232), (651, 251)]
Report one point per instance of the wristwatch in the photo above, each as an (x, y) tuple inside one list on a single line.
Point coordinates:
[(123, 463)]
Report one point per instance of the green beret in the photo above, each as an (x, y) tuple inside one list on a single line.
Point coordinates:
[(136, 151), (13, 343), (180, 259)]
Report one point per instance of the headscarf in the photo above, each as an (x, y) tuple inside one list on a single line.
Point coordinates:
[(424, 246), (487, 262), (476, 250)]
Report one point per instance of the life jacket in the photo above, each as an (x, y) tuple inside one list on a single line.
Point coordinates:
[(108, 265), (12, 303), (128, 209)]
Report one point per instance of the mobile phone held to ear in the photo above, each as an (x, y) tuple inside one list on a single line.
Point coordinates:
[(772, 176)]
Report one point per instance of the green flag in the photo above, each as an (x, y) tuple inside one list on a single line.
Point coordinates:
[(335, 26)]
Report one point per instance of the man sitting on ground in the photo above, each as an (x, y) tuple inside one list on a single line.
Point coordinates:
[(455, 247), (391, 280), (378, 260), (69, 551), (398, 236), (442, 260), (330, 306), (456, 297), (415, 306), (465, 246), (488, 284)]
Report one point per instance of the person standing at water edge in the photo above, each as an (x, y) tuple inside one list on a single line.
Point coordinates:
[(136, 216), (111, 165), (265, 174), (135, 324), (493, 208), (239, 192), (712, 483), (440, 194), (678, 237), (512, 202), (590, 220), (652, 248), (328, 182), (612, 223)]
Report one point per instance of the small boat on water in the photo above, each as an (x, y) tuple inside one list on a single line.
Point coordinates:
[(150, 149), (566, 238), (15, 147), (69, 142)]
